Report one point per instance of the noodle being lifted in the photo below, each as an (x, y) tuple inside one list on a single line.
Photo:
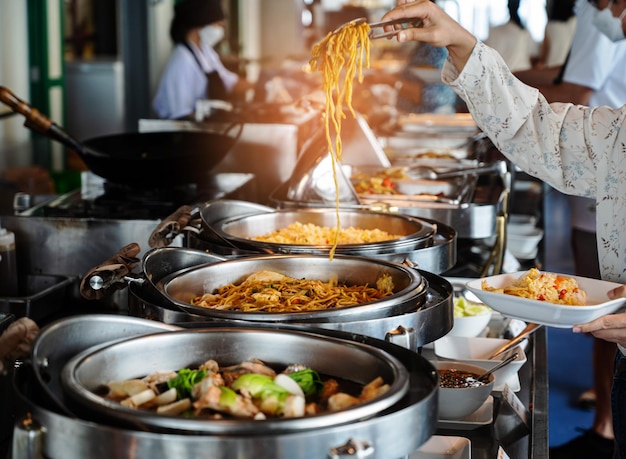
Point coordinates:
[(547, 287), (346, 50)]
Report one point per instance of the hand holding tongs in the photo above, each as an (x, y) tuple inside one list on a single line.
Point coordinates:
[(404, 23)]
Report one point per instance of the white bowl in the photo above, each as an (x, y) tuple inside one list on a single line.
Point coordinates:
[(457, 403), (523, 243), (470, 326), (475, 351)]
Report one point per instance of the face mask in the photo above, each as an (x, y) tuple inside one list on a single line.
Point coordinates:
[(211, 35), (609, 25)]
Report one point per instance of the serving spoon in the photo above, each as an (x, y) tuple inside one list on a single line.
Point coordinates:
[(505, 362)]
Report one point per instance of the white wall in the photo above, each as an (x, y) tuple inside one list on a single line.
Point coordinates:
[(15, 149)]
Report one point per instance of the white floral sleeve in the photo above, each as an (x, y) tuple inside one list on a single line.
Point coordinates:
[(577, 150)]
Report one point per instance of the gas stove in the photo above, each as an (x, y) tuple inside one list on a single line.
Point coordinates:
[(71, 233)]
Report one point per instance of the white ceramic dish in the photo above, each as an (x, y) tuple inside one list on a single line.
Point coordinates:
[(470, 325), (476, 350), (481, 417), (444, 447), (460, 402), (523, 242), (541, 312)]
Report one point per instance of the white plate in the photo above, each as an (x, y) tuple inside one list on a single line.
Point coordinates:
[(481, 417), (444, 447), (541, 312)]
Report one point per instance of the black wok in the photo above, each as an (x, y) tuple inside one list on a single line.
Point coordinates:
[(138, 159)]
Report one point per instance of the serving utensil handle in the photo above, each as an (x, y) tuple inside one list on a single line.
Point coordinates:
[(530, 328)]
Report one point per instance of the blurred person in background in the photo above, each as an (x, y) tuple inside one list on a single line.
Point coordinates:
[(574, 148), (195, 70), (512, 40), (558, 35)]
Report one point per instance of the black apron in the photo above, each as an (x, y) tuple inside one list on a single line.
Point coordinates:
[(215, 86)]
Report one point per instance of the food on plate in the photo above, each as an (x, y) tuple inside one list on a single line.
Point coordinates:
[(311, 234), (268, 291), (466, 308), (543, 286), (340, 56), (250, 389), (382, 182)]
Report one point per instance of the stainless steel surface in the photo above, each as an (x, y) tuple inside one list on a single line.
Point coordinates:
[(414, 234), (412, 330), (71, 246), (394, 433), (59, 341), (409, 287), (133, 358)]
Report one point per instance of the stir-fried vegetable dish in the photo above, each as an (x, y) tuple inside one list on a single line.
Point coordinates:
[(250, 389)]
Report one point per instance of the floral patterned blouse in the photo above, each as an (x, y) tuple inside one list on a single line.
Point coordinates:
[(577, 150)]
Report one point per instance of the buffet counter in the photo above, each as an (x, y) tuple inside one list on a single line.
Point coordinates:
[(507, 433)]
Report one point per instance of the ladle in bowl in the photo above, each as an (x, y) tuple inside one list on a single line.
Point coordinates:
[(505, 362)]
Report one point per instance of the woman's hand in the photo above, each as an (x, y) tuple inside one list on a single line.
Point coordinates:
[(611, 327), (438, 29)]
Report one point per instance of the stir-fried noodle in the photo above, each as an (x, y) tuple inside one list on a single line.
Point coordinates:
[(347, 51), (272, 292)]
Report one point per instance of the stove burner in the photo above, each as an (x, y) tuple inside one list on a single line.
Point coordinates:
[(118, 201)]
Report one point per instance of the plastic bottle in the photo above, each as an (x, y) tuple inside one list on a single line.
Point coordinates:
[(8, 265)]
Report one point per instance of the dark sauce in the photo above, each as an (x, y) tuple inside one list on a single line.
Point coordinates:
[(458, 379)]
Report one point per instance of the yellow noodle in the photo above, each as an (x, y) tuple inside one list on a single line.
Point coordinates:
[(292, 295), (345, 50)]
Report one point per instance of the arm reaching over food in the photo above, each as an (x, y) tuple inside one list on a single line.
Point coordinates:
[(611, 327), (16, 341)]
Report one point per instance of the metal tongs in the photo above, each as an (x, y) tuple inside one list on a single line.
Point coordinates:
[(404, 23)]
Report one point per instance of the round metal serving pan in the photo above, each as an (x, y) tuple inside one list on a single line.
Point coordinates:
[(61, 340), (413, 420), (427, 323), (84, 374), (410, 287), (239, 231)]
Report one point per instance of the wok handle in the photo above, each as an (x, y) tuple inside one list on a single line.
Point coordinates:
[(36, 120)]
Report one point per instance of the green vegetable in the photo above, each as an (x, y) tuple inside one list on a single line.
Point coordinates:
[(228, 397), (259, 386), (263, 388), (464, 308), (308, 380), (185, 380)]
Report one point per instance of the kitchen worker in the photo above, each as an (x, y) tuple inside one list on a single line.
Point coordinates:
[(576, 149), (194, 70)]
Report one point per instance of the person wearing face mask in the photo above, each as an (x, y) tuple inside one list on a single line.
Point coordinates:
[(577, 149), (194, 70)]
